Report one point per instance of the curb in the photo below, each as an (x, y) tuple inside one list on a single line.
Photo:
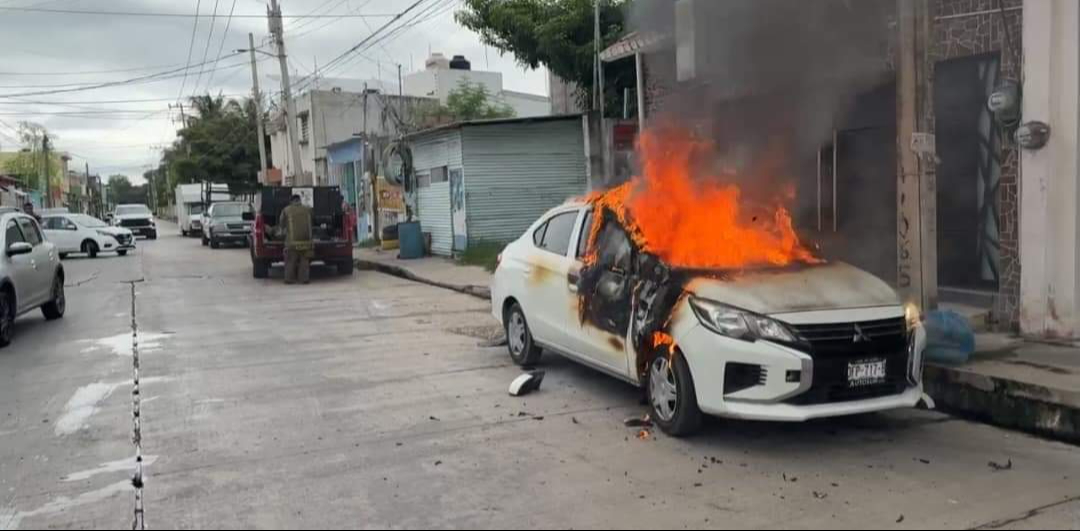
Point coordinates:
[(480, 292), (1006, 403)]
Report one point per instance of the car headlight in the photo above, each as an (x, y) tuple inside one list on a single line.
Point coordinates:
[(912, 315), (219, 226), (739, 324), (106, 234)]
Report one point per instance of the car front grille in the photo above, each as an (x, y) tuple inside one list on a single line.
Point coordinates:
[(124, 239), (834, 346), (134, 223)]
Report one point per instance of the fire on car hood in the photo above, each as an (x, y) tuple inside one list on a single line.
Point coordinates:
[(834, 286)]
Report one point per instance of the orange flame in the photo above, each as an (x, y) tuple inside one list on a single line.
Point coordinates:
[(698, 222)]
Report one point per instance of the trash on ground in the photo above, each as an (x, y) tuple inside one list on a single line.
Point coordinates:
[(997, 467), (949, 337), (638, 422), (526, 383)]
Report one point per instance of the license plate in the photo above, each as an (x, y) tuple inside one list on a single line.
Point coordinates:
[(864, 373)]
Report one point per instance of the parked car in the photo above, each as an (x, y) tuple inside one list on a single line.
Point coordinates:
[(781, 344), (224, 223), (31, 275), (80, 233), (333, 230), (136, 218)]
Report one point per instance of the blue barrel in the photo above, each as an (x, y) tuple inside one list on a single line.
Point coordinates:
[(411, 239)]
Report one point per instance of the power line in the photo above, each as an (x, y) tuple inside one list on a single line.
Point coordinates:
[(103, 102), (191, 47), (206, 50), (91, 72), (221, 47), (181, 15)]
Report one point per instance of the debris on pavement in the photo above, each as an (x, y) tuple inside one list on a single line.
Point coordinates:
[(434, 419), (526, 383), (574, 420), (644, 435), (820, 495), (900, 520), (638, 422), (997, 467)]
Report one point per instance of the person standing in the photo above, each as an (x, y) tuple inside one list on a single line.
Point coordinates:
[(299, 247), (28, 209)]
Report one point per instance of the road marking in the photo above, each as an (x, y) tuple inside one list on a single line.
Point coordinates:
[(12, 519), (122, 465), (121, 344)]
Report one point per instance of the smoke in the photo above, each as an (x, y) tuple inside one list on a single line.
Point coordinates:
[(765, 80)]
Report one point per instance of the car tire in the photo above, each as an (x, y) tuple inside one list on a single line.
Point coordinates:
[(214, 244), (346, 268), (56, 307), (523, 350), (183, 233), (205, 241), (121, 252), (672, 396), (260, 268), (63, 256), (7, 317), (90, 248)]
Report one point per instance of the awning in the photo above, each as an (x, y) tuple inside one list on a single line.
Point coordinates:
[(634, 43)]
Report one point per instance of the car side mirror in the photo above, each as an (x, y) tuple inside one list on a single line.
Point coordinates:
[(18, 248), (248, 216)]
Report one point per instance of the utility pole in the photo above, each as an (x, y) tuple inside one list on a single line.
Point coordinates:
[(88, 199), (48, 180), (277, 29), (258, 110), (401, 101)]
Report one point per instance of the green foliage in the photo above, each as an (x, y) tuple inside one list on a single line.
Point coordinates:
[(469, 101), (558, 34), (482, 253), (219, 144), (121, 191), (29, 163)]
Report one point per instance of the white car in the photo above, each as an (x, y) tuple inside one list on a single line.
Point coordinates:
[(31, 275), (789, 344), (79, 233)]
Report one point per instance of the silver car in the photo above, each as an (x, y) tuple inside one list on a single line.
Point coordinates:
[(31, 275)]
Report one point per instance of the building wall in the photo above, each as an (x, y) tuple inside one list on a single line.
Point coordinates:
[(956, 33), (436, 150), (515, 172), (526, 105), (438, 83)]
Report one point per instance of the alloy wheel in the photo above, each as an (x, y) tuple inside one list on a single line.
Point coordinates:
[(663, 389)]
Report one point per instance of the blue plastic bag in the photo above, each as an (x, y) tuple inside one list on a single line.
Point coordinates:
[(949, 337)]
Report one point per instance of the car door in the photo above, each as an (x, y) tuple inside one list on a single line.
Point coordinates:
[(21, 266), (40, 260), (61, 232), (548, 300), (600, 327)]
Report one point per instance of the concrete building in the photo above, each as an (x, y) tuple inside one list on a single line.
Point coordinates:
[(441, 76), (487, 181), (332, 115)]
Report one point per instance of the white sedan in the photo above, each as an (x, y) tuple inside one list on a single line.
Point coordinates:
[(31, 275), (79, 233), (788, 344)]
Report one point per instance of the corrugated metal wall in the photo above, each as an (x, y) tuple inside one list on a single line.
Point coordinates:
[(433, 151), (515, 172)]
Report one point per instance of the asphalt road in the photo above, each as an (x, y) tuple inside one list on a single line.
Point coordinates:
[(368, 402)]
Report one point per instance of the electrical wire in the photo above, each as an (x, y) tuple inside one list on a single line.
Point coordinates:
[(206, 49), (221, 47), (183, 15), (191, 47)]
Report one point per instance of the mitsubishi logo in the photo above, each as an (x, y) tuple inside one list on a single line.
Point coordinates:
[(860, 336)]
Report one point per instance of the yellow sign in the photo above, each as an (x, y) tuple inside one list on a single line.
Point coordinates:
[(390, 197)]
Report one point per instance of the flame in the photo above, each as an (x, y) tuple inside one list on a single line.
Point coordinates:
[(698, 222)]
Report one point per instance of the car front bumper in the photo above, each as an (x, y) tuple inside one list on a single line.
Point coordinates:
[(230, 236), (774, 398)]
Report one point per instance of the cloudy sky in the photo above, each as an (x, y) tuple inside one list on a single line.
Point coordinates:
[(48, 59)]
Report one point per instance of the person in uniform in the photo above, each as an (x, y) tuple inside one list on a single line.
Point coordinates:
[(296, 223)]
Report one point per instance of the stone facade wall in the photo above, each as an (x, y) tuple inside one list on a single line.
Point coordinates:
[(963, 28)]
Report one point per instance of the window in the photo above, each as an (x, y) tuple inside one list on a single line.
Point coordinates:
[(30, 231), (438, 175), (304, 128), (586, 231), (423, 180), (54, 224), (559, 229), (14, 235), (538, 234), (132, 210)]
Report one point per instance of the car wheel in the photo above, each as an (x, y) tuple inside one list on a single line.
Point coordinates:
[(214, 244), (63, 256), (7, 317), (58, 305), (153, 235), (90, 249), (121, 252), (346, 268), (673, 397), (260, 268), (205, 241), (523, 350), (183, 233)]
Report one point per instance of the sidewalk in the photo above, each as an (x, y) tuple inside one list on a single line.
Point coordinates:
[(1009, 382), (436, 271)]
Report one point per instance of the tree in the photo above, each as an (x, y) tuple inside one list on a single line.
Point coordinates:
[(121, 191), (219, 143), (29, 163), (471, 101), (558, 34)]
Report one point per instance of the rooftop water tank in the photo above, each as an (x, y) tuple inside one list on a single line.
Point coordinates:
[(459, 62)]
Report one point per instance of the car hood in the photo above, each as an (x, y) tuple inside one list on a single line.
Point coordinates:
[(834, 286), (135, 216), (230, 219), (114, 231)]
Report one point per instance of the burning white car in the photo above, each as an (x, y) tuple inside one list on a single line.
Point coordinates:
[(753, 328)]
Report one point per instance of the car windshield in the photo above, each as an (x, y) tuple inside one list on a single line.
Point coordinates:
[(89, 222), (230, 210), (196, 209), (132, 210)]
